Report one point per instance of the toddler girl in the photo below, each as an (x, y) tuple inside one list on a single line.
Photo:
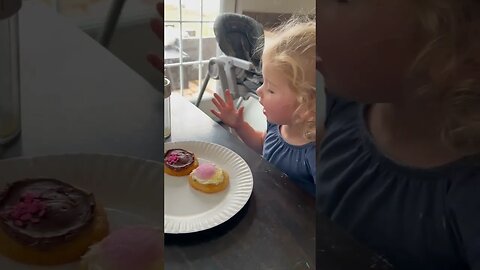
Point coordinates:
[(288, 99), (398, 164)]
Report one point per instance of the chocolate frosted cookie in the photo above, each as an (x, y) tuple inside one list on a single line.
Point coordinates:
[(47, 221), (43, 212), (179, 162)]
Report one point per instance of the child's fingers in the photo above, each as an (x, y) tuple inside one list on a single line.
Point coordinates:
[(157, 27), (155, 61), (228, 97), (217, 114), (240, 113), (215, 102), (160, 9), (219, 99)]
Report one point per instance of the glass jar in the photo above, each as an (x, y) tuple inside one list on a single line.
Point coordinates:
[(167, 119), (9, 71)]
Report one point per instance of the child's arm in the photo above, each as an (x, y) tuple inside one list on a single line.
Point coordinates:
[(250, 136), (156, 26), (234, 119)]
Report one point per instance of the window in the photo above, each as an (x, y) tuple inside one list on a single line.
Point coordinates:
[(190, 43)]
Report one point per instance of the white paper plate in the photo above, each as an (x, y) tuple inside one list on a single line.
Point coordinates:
[(129, 188), (188, 210)]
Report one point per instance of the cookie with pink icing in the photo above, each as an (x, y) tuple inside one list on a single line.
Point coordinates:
[(209, 178), (136, 247), (208, 173)]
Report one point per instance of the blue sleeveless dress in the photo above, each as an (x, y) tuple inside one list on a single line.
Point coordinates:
[(298, 162), (416, 218)]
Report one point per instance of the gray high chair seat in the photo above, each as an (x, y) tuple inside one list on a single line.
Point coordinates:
[(239, 69)]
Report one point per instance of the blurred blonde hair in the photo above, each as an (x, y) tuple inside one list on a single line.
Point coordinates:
[(450, 58), (291, 49)]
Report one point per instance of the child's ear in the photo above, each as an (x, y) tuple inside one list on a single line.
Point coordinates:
[(310, 116), (303, 114)]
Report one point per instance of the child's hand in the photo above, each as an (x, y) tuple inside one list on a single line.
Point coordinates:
[(157, 27), (227, 111)]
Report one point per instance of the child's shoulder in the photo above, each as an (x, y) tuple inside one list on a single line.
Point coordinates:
[(463, 204), (273, 132), (465, 180), (341, 112)]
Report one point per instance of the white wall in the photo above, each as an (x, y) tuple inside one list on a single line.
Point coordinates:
[(277, 6)]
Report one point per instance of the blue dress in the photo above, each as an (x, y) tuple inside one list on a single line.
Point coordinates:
[(415, 218), (298, 162)]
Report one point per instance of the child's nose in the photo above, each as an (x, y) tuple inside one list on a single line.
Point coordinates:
[(260, 91)]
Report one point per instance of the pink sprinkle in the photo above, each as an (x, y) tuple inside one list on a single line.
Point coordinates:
[(28, 197), (35, 206), (21, 205), (172, 158), (26, 217), (15, 214), (35, 220), (32, 208), (23, 211)]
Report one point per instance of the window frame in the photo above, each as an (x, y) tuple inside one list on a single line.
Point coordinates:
[(199, 62)]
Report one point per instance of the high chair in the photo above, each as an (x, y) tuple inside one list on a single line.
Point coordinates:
[(239, 69)]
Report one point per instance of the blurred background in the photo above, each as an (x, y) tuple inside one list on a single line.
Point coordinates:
[(189, 37)]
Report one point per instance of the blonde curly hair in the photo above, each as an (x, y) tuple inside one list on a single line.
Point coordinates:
[(449, 32), (292, 49)]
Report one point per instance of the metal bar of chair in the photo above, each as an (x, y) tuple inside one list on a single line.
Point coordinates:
[(111, 22)]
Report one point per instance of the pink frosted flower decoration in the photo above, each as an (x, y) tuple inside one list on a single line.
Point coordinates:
[(172, 158), (28, 210)]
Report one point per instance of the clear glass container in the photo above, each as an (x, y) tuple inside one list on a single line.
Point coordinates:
[(167, 118), (9, 71)]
